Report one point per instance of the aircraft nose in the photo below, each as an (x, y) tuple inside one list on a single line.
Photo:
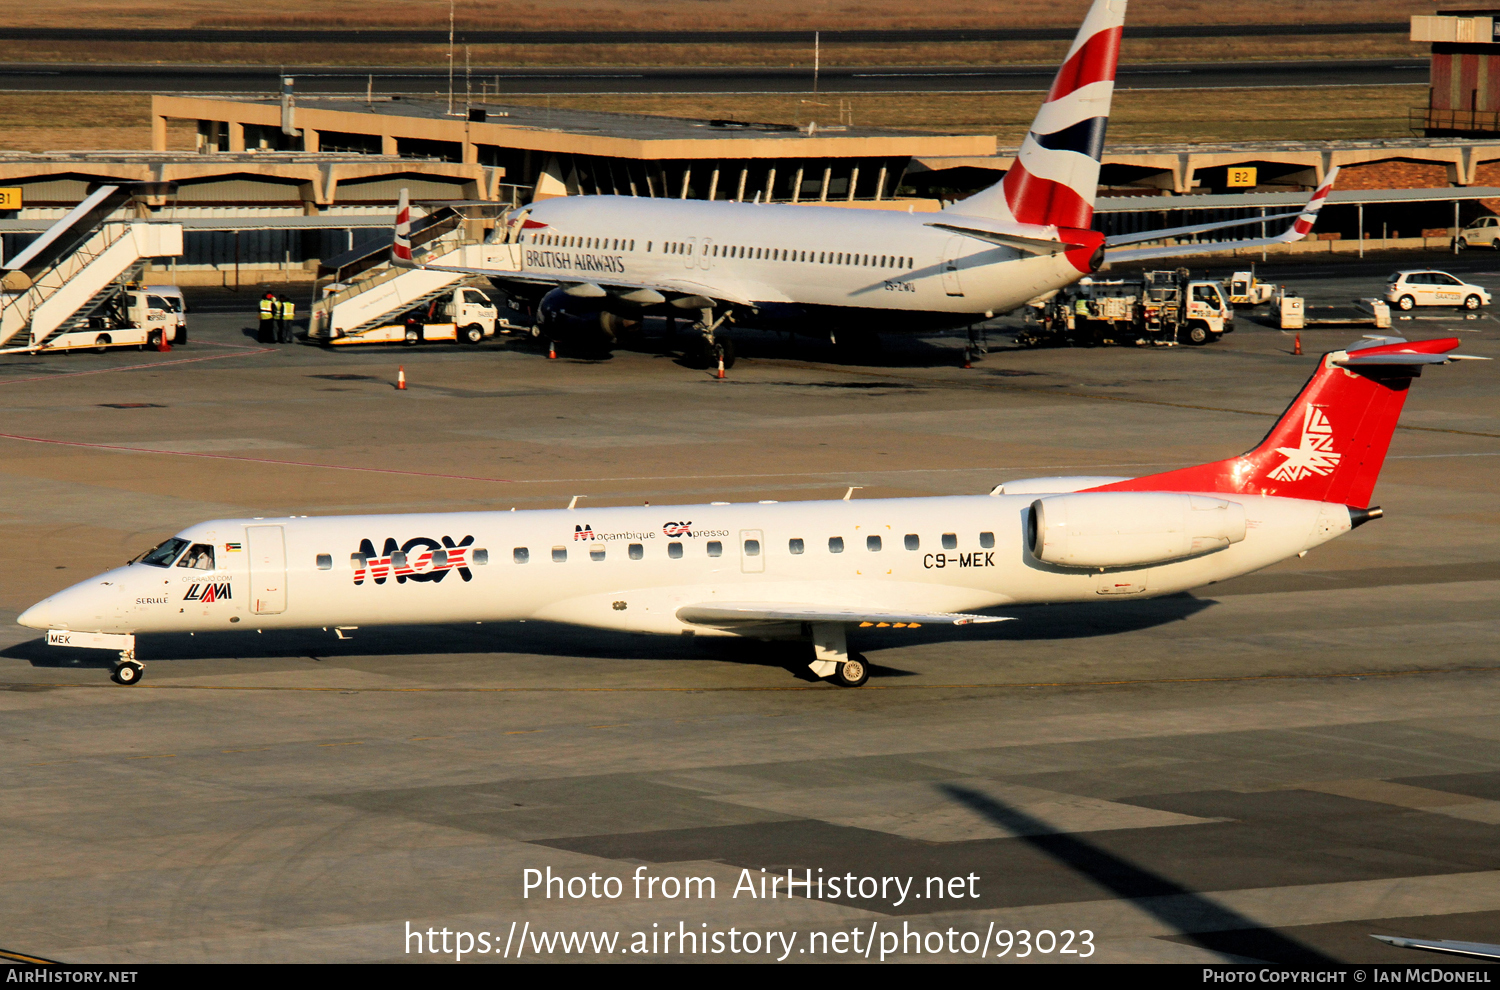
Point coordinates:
[(38, 616)]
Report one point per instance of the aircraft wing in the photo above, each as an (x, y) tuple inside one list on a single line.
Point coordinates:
[(1299, 229), (747, 613)]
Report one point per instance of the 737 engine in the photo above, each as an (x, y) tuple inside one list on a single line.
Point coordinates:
[(1130, 529)]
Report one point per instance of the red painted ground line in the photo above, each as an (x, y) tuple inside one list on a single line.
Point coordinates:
[(252, 460)]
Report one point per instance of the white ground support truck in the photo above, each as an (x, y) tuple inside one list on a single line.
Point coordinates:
[(134, 318), (464, 315), (1163, 308)]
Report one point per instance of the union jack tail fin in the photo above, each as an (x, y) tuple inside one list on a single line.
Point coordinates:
[(1330, 443), (1056, 172), (401, 246)]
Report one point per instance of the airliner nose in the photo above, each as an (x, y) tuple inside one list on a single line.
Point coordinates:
[(38, 616)]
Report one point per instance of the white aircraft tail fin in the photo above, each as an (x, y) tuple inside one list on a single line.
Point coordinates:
[(401, 246), (1056, 172)]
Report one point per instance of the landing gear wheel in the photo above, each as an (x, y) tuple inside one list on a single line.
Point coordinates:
[(471, 334), (127, 672), (1197, 335), (853, 672), (413, 336), (1471, 302), (1406, 303)]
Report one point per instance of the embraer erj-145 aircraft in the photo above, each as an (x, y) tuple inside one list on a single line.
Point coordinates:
[(792, 571), (592, 264)]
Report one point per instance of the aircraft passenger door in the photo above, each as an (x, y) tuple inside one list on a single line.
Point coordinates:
[(267, 546), (690, 256), (951, 252), (705, 253), (752, 551)]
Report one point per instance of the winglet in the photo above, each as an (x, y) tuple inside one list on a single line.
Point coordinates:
[(401, 246), (1303, 225)]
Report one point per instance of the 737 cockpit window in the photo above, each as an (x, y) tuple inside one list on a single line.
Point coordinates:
[(164, 553), (199, 557)]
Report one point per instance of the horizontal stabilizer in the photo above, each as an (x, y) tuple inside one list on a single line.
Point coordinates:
[(1031, 245), (742, 613), (1378, 350), (1141, 237)]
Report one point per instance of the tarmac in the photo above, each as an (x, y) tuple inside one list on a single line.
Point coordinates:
[(1269, 769)]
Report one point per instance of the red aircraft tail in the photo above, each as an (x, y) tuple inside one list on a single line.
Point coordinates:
[(1331, 442)]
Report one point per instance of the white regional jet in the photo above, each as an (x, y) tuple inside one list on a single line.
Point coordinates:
[(797, 571), (590, 265)]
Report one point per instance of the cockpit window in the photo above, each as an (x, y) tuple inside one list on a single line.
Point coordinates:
[(199, 557), (164, 553)]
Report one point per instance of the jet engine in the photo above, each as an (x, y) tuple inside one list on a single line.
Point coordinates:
[(1130, 529), (566, 314)]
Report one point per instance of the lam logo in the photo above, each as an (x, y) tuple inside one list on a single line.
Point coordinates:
[(1315, 455), (420, 558), (208, 593), (678, 528), (583, 532)]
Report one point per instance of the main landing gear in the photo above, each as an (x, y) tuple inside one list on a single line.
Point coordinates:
[(709, 349), (127, 670), (832, 659)]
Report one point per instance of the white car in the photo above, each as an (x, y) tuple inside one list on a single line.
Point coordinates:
[(1484, 232), (1425, 287)]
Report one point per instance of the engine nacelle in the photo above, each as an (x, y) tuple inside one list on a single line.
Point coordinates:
[(589, 319), (1130, 529)]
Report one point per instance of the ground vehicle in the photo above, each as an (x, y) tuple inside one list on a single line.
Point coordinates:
[(1484, 232), (1428, 287), (464, 315), (1164, 307), (1247, 290), (134, 317)]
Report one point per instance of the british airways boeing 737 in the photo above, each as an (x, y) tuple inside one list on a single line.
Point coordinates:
[(590, 264)]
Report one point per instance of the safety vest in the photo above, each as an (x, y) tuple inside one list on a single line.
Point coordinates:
[(267, 309), (288, 309)]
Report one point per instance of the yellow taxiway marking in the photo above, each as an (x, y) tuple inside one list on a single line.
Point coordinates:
[(519, 732), (158, 756), (23, 957)]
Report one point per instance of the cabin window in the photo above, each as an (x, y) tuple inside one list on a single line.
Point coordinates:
[(596, 553), (752, 548), (840, 257), (835, 544), (520, 555), (479, 557), (358, 561), (325, 561), (439, 558), (794, 545), (637, 551), (713, 252), (559, 555), (715, 548), (398, 559), (913, 541), (648, 247), (987, 540), (632, 245), (674, 550), (950, 541), (872, 544)]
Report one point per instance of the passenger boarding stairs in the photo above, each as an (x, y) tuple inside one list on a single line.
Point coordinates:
[(378, 296), (75, 268)]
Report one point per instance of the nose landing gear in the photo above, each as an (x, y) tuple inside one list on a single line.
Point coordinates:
[(127, 670)]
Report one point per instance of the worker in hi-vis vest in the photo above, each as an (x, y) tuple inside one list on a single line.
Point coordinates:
[(268, 316), (287, 310)]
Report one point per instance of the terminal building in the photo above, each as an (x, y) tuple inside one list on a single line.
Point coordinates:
[(277, 186)]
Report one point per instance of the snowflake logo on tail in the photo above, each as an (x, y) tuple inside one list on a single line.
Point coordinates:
[(1315, 455)]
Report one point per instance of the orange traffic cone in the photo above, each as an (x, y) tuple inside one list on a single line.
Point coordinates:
[(552, 350), (1297, 345), (401, 378), (162, 345), (721, 364)]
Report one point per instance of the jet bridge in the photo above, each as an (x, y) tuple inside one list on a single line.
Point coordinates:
[(51, 290)]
